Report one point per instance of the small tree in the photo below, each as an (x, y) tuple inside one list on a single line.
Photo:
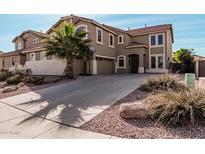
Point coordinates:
[(185, 57), (68, 44)]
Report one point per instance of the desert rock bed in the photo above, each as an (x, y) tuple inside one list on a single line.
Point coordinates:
[(109, 122)]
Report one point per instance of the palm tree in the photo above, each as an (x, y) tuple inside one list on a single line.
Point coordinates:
[(68, 44)]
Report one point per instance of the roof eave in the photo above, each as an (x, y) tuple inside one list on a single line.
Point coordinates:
[(136, 46)]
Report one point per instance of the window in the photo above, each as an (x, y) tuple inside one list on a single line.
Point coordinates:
[(153, 62), (153, 40), (160, 61), (156, 40), (32, 57), (160, 39), (36, 41), (111, 40), (12, 61), (99, 35), (19, 46), (157, 62), (120, 39), (81, 28), (121, 61)]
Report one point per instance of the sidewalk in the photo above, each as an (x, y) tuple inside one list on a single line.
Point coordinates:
[(14, 126)]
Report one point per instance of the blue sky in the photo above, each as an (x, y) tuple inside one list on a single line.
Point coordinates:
[(189, 30)]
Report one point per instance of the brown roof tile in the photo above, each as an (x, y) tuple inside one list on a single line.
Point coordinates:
[(12, 53), (136, 44), (33, 49), (150, 29), (32, 31)]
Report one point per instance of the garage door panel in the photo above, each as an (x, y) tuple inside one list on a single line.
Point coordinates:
[(202, 68), (105, 66)]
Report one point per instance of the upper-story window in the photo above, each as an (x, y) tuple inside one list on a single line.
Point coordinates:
[(19, 46), (111, 40), (153, 40), (81, 28), (99, 35), (156, 40), (160, 39), (36, 41), (120, 39)]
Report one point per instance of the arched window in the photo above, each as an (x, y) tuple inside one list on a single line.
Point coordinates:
[(19, 46), (121, 61), (81, 28)]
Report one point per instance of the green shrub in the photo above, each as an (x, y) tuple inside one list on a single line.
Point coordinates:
[(14, 79), (35, 80), (177, 108), (162, 82), (4, 75)]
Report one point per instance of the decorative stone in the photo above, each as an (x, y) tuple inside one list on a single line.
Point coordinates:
[(9, 89), (133, 110), (21, 84)]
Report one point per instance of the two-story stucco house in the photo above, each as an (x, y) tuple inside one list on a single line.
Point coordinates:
[(147, 49)]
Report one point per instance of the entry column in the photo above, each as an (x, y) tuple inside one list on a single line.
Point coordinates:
[(141, 63)]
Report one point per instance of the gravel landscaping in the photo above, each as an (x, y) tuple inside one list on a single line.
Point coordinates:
[(109, 122), (29, 87)]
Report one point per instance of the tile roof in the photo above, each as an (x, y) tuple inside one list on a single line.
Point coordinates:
[(136, 44), (41, 34), (33, 49), (12, 53), (114, 29), (149, 29), (75, 19)]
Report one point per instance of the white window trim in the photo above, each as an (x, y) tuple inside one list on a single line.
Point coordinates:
[(19, 47), (113, 41), (97, 28), (34, 57), (43, 55), (86, 29), (156, 56), (118, 58), (118, 39), (156, 40)]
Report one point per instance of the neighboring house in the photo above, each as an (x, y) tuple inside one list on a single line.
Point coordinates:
[(147, 49), (9, 59), (199, 66)]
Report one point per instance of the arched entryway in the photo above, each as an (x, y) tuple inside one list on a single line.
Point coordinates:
[(133, 63)]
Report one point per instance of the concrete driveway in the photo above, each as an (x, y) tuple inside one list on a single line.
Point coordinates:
[(67, 105)]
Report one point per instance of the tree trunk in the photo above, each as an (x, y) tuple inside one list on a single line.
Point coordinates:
[(68, 72)]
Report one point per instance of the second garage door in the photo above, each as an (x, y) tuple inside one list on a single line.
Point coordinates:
[(105, 66), (202, 68)]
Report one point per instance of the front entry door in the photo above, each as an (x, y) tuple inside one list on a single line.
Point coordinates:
[(134, 63)]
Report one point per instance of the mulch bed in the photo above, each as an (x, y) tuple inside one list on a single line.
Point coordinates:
[(109, 122), (30, 87)]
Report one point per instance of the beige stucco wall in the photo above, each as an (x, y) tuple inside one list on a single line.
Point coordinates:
[(27, 42), (54, 67), (104, 49), (157, 50)]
